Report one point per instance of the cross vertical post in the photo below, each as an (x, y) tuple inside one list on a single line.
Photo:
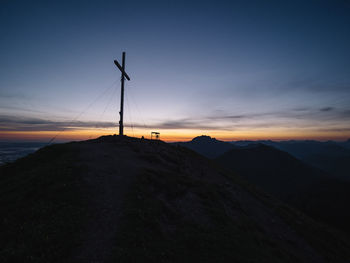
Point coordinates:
[(123, 76), (121, 127)]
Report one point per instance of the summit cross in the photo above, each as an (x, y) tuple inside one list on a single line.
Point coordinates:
[(124, 75)]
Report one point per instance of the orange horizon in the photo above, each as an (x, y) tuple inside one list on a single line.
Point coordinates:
[(175, 135)]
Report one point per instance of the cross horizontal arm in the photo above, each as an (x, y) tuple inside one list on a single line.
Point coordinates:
[(121, 69)]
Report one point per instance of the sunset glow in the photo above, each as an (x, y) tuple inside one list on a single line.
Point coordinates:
[(234, 71), (173, 135)]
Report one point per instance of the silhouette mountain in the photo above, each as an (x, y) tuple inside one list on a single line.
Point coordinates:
[(332, 157), (121, 199), (207, 146), (289, 179)]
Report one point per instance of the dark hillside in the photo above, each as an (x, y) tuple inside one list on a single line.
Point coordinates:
[(277, 172), (331, 157), (346, 144), (119, 199)]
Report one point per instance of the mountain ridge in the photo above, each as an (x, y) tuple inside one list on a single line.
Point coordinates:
[(125, 199), (303, 186)]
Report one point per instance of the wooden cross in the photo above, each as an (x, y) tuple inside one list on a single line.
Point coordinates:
[(124, 75)]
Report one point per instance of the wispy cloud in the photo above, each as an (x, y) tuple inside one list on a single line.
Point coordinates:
[(298, 117), (13, 123), (327, 109)]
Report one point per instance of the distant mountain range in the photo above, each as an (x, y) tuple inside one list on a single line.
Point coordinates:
[(331, 157), (281, 174)]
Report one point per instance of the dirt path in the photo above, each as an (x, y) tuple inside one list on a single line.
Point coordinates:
[(107, 182)]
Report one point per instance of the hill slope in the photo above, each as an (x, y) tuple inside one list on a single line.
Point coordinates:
[(277, 172), (331, 157), (119, 199)]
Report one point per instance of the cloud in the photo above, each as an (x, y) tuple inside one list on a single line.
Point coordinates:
[(21, 109), (15, 123), (327, 109), (235, 117), (345, 114), (326, 117), (186, 123), (344, 130)]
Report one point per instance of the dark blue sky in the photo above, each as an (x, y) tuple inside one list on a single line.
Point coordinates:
[(236, 69)]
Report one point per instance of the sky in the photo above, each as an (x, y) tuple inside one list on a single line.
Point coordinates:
[(233, 70)]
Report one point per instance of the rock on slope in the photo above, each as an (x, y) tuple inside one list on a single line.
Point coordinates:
[(120, 199)]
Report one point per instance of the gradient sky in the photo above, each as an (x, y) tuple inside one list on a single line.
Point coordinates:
[(232, 70)]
